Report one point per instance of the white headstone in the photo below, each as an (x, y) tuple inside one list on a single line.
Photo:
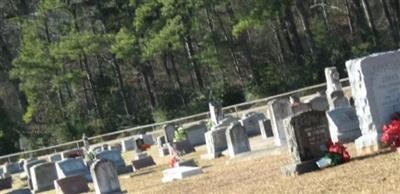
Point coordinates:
[(179, 173), (128, 144), (43, 176), (334, 92), (265, 128), (105, 177), (71, 167), (343, 124), (375, 84), (237, 139), (278, 110), (216, 114)]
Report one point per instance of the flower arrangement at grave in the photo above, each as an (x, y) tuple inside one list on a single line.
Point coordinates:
[(145, 147), (391, 132), (180, 135), (336, 154)]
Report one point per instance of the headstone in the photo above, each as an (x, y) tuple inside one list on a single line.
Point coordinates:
[(334, 92), (161, 141), (141, 155), (318, 102), (375, 82), (43, 176), (250, 122), (343, 124), (128, 144), (190, 162), (179, 173), (169, 131), (86, 143), (12, 168), (183, 147), (265, 128), (308, 135), (115, 157), (216, 138), (143, 163), (147, 139), (164, 151), (237, 139), (216, 114), (279, 109), (74, 153), (105, 177), (116, 146), (72, 167), (195, 133), (29, 164), (55, 157), (6, 182), (71, 184)]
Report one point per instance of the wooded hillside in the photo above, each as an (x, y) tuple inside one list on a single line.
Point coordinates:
[(94, 66)]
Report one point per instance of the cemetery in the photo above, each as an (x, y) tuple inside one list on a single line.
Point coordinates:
[(318, 143)]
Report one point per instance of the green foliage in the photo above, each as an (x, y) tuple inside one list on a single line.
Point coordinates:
[(180, 134)]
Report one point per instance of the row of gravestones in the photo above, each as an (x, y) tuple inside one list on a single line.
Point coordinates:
[(72, 176), (375, 82), (39, 172)]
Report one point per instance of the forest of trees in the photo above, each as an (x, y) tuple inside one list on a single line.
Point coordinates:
[(94, 66)]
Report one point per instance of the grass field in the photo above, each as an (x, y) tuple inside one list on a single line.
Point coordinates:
[(371, 174)]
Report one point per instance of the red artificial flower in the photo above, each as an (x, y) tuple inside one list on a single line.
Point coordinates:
[(144, 147), (391, 133), (172, 162), (337, 148)]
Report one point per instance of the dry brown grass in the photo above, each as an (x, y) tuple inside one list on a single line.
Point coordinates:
[(373, 174)]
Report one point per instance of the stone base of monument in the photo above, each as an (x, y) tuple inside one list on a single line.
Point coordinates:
[(6, 183), (368, 144), (142, 163), (179, 173), (297, 169)]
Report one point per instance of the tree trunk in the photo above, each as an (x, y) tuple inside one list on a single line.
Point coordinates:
[(294, 37), (370, 20), (349, 18), (360, 19), (392, 26), (306, 27), (177, 78), (228, 38), (121, 86), (193, 63), (148, 87)]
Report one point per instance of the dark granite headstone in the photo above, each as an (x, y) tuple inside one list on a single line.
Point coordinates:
[(183, 147), (307, 135), (143, 163), (6, 183), (72, 184)]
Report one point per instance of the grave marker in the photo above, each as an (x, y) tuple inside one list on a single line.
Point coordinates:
[(279, 109), (71, 184), (105, 177), (237, 139), (375, 85), (43, 176), (72, 167), (308, 135), (343, 124)]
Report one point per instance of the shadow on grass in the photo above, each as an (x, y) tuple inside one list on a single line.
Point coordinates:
[(380, 153), (207, 166), (135, 174)]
